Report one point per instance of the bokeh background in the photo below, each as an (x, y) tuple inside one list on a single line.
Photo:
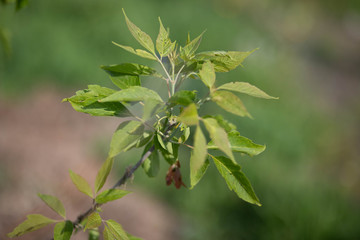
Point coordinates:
[(308, 179)]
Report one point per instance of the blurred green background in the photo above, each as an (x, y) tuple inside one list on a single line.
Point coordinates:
[(308, 178)]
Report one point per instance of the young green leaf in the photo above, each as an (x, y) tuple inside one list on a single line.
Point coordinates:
[(139, 52), (116, 230), (226, 125), (219, 136), (139, 35), (151, 165), (241, 144), (94, 234), (81, 184), (207, 74), (93, 221), (54, 203), (107, 235), (189, 115), (198, 163), (235, 179), (125, 136), (128, 69), (110, 195), (125, 81), (183, 97), (247, 88), (230, 102), (32, 223), (185, 134), (87, 101), (103, 174), (189, 50), (163, 42), (63, 230), (132, 94)]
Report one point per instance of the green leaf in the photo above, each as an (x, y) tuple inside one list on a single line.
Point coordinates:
[(94, 234), (103, 174), (230, 102), (185, 134), (128, 69), (139, 52), (32, 223), (183, 97), (151, 165), (219, 136), (132, 94), (93, 221), (224, 61), (226, 125), (168, 150), (207, 74), (21, 4), (81, 184), (116, 230), (198, 163), (163, 42), (125, 81), (87, 101), (131, 237), (110, 195), (247, 88), (125, 136), (139, 35), (189, 115), (235, 179), (189, 50), (151, 108), (54, 203), (63, 230), (241, 144), (107, 235)]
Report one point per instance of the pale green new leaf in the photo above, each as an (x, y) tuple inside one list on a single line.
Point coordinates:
[(103, 173), (139, 52), (247, 88), (219, 136), (87, 101), (143, 38), (63, 230), (230, 102), (107, 234), (132, 94), (125, 136), (207, 74), (198, 163), (54, 203), (93, 221), (189, 115), (235, 179), (163, 42), (128, 69), (151, 165), (117, 230), (110, 195), (241, 144), (81, 184), (32, 223), (190, 48)]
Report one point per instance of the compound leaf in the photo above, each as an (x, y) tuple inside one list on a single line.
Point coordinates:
[(230, 102), (63, 230), (32, 223), (54, 203), (103, 173), (81, 184), (236, 179), (110, 195), (247, 88)]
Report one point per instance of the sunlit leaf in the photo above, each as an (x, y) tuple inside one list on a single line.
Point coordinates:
[(107, 235), (189, 115), (117, 230), (93, 221), (132, 94), (230, 102), (63, 230), (81, 184), (247, 88), (198, 163), (226, 125), (110, 195), (163, 42), (190, 48), (207, 74), (103, 173), (139, 52), (54, 203), (32, 223), (183, 97), (128, 69), (235, 179)]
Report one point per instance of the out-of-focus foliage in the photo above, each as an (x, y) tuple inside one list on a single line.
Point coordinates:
[(309, 57)]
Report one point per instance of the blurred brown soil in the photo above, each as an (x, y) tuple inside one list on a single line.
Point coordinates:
[(40, 140)]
